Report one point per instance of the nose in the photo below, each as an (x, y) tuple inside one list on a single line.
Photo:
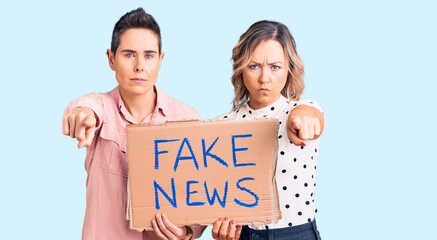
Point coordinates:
[(264, 78), (139, 66)]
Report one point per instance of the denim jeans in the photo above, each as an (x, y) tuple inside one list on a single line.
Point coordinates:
[(307, 231)]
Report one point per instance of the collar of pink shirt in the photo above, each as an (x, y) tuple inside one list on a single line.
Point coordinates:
[(161, 106)]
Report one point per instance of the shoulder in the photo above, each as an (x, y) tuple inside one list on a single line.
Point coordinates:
[(104, 98), (230, 115), (179, 110), (95, 101)]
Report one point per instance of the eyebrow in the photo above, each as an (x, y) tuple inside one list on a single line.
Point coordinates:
[(268, 63), (133, 51)]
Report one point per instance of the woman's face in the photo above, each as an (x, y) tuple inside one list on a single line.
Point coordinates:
[(137, 61), (266, 74)]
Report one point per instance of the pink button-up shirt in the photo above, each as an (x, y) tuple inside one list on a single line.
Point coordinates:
[(106, 165)]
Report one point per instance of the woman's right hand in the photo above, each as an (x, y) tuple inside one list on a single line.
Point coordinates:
[(225, 229), (81, 124)]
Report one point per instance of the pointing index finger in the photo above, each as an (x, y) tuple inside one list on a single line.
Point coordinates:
[(65, 129), (295, 123)]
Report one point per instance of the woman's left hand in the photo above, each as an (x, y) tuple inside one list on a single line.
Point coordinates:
[(226, 229), (304, 123), (166, 230)]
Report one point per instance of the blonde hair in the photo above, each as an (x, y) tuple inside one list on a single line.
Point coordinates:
[(242, 54)]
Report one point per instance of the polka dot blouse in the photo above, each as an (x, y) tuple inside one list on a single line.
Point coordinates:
[(296, 166)]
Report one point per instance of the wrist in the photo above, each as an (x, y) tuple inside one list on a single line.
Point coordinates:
[(189, 234)]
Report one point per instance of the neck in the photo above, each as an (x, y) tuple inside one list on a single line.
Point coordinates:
[(139, 106), (255, 105)]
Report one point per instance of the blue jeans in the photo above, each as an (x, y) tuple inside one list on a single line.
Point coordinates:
[(307, 231)]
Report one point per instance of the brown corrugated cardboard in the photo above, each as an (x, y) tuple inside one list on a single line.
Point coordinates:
[(198, 171)]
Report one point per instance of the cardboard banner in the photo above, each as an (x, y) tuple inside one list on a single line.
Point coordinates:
[(198, 171)]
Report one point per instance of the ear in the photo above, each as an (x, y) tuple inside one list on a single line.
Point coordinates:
[(161, 57), (111, 59)]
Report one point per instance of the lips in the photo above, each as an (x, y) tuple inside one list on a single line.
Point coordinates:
[(263, 90), (138, 80)]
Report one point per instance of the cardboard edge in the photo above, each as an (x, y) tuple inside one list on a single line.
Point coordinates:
[(277, 215), (128, 200), (161, 123), (276, 210), (169, 123)]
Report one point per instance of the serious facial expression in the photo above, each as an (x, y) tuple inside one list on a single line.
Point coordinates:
[(266, 74), (137, 61)]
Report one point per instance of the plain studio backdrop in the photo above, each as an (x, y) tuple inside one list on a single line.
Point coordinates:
[(370, 65)]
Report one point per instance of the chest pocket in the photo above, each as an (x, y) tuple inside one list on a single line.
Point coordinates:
[(113, 150)]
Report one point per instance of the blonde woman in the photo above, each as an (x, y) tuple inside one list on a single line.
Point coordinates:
[(268, 83)]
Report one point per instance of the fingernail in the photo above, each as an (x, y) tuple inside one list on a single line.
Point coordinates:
[(239, 226), (220, 219), (226, 219), (302, 144), (232, 222)]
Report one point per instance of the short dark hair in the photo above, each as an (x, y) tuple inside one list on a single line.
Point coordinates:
[(137, 18)]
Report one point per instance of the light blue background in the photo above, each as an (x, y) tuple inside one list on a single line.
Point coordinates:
[(370, 64)]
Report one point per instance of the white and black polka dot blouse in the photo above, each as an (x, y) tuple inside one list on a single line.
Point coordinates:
[(296, 166)]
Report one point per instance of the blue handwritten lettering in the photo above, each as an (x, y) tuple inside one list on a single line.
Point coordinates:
[(246, 190), (207, 153), (234, 149), (160, 152), (178, 158), (171, 200), (189, 194), (215, 194)]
